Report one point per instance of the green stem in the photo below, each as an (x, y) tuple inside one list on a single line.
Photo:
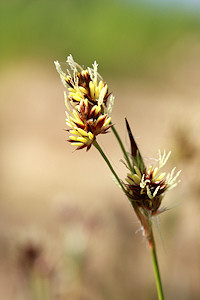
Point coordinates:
[(149, 235), (152, 247), (122, 146), (109, 165)]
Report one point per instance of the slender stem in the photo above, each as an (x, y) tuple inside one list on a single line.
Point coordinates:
[(152, 247), (122, 146), (109, 165), (148, 227)]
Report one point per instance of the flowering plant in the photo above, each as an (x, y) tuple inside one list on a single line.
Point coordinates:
[(89, 104)]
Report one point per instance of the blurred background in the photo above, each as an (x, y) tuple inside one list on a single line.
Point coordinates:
[(66, 231)]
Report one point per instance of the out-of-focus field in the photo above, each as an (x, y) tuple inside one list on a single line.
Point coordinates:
[(66, 230)]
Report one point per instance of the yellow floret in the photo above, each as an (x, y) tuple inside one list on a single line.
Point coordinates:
[(77, 144), (90, 135), (155, 171), (108, 120), (136, 178), (138, 171), (160, 177), (82, 132), (130, 181), (91, 86)]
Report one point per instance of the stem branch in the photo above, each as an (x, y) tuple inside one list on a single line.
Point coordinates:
[(109, 165), (147, 227)]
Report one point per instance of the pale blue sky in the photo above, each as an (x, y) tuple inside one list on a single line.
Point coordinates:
[(190, 4)]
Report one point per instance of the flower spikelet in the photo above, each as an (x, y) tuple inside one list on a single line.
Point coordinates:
[(146, 186), (88, 103)]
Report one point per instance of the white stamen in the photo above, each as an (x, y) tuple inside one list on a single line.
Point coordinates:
[(170, 180), (95, 65), (143, 182), (149, 192), (71, 63), (163, 158), (61, 73), (111, 103), (102, 95), (156, 191)]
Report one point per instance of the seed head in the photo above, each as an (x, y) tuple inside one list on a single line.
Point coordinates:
[(88, 103), (147, 186)]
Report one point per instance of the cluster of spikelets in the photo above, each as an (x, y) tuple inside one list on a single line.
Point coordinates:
[(147, 186), (88, 103)]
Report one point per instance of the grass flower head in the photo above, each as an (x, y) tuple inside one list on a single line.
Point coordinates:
[(146, 186), (88, 103)]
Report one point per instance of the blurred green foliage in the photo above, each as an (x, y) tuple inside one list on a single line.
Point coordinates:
[(121, 36)]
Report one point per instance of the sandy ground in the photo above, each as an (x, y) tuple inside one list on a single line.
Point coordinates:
[(43, 180)]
